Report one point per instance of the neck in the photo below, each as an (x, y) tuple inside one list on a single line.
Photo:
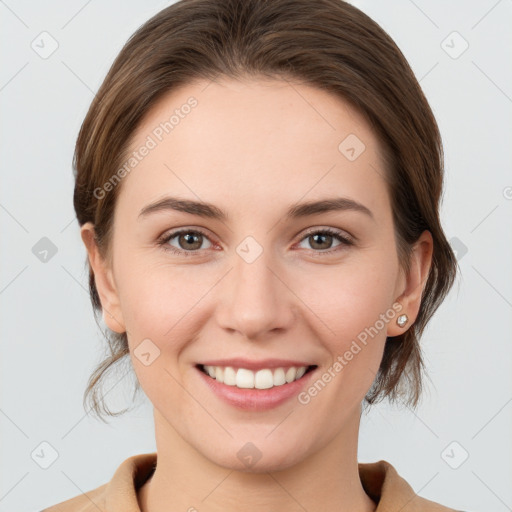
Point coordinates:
[(185, 480)]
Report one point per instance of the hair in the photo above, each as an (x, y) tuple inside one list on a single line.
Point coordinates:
[(328, 44)]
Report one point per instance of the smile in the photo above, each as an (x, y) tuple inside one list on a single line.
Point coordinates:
[(264, 378)]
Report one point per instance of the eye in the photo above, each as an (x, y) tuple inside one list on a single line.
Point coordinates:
[(322, 239), (188, 241)]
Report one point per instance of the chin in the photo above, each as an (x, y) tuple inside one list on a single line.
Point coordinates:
[(254, 456)]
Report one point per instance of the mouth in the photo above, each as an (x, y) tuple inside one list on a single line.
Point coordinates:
[(261, 379)]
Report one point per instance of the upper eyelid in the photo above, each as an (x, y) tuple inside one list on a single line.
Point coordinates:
[(339, 231)]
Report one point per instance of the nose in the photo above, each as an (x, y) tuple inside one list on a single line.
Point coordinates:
[(255, 300)]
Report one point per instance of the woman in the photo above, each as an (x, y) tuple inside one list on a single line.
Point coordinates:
[(258, 187)]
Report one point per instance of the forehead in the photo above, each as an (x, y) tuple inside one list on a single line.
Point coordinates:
[(269, 141)]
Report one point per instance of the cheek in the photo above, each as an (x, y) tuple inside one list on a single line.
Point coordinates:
[(164, 308), (351, 297), (159, 310), (354, 311), (154, 296)]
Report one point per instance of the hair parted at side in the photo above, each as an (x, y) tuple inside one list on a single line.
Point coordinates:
[(328, 44)]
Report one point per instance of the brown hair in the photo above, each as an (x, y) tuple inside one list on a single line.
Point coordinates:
[(328, 44)]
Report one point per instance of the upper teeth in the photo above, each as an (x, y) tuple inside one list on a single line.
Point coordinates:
[(262, 379)]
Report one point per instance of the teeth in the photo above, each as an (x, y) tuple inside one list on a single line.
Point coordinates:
[(300, 372), (279, 377), (291, 373), (229, 376), (244, 378), (262, 379)]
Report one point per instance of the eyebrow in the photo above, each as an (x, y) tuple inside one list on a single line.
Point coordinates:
[(211, 211)]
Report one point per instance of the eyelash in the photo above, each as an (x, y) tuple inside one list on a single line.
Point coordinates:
[(163, 241)]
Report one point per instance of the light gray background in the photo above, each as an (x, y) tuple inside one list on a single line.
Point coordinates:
[(50, 341)]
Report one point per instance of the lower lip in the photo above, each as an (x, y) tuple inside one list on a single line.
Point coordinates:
[(256, 399)]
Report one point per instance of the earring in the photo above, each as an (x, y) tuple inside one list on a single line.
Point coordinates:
[(402, 320)]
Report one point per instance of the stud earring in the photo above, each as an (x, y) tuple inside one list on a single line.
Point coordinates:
[(402, 320)]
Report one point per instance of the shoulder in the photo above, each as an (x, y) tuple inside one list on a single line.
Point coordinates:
[(390, 491), (90, 501), (120, 493)]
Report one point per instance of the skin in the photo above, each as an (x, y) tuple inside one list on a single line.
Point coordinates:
[(269, 144)]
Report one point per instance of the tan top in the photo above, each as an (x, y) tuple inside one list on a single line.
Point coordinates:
[(379, 479)]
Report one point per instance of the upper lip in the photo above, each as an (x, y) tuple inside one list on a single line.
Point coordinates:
[(240, 362)]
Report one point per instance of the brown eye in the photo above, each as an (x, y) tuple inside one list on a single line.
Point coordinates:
[(190, 240), (321, 240), (186, 241)]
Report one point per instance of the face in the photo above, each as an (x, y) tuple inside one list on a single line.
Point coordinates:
[(255, 281)]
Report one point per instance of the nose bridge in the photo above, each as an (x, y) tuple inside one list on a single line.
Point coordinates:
[(257, 300)]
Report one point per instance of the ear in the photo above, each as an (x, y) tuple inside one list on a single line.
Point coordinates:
[(412, 285), (104, 279)]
